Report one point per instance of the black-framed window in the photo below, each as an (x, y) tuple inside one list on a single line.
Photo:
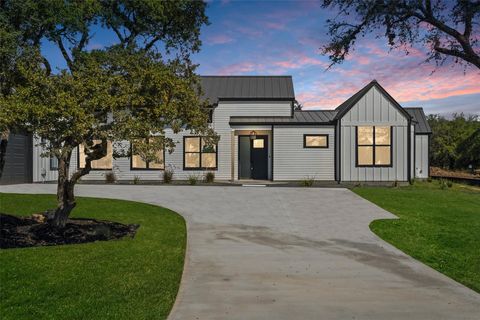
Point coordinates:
[(374, 146), (137, 163), (315, 140), (53, 163), (105, 163), (198, 155)]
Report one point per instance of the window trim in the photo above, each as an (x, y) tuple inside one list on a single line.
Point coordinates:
[(200, 168), (147, 163), (93, 169), (373, 165), (315, 135)]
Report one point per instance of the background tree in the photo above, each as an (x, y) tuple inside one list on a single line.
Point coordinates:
[(127, 91), (453, 142), (447, 28)]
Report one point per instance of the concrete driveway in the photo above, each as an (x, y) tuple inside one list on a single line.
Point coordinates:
[(291, 253)]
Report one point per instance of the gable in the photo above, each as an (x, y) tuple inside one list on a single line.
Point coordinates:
[(372, 104)]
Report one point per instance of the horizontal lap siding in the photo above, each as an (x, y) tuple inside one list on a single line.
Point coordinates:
[(421, 156), (291, 161), (221, 119), (374, 109), (220, 124)]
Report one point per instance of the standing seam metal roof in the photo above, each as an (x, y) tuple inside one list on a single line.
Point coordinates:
[(299, 117), (420, 120), (247, 87)]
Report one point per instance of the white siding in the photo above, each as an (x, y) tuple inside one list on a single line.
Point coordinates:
[(221, 119), (220, 123), (421, 156), (291, 161), (41, 165), (374, 109)]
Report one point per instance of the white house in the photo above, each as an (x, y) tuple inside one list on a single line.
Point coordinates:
[(368, 138)]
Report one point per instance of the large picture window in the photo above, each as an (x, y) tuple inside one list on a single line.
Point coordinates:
[(198, 155), (106, 163), (374, 146), (137, 163), (315, 140)]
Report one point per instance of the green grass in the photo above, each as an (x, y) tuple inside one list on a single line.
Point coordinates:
[(441, 228), (122, 279)]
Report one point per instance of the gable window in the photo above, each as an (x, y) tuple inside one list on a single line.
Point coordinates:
[(105, 163), (315, 140), (374, 146), (137, 163), (198, 155)]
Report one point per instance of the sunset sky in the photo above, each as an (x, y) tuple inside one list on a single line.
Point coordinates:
[(284, 37)]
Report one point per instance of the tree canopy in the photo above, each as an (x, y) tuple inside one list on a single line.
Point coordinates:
[(129, 90), (448, 29)]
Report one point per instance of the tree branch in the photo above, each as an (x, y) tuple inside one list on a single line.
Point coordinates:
[(475, 60), (64, 52)]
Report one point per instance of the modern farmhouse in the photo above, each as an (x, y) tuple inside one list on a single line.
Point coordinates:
[(368, 138)]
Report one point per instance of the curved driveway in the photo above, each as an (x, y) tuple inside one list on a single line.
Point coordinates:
[(291, 253)]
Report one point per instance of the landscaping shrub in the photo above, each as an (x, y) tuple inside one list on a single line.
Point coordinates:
[(209, 177), (445, 183), (110, 177), (192, 179), (136, 180), (307, 182), (167, 176)]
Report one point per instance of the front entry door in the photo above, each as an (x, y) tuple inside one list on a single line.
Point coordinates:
[(259, 152), (253, 158)]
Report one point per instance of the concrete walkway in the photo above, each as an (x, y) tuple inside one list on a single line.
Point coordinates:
[(291, 253)]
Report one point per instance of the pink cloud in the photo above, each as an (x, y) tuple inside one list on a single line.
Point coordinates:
[(238, 68), (219, 39)]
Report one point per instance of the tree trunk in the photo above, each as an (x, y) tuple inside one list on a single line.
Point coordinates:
[(65, 195), (3, 149)]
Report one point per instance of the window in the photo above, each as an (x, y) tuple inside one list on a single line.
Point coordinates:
[(105, 163), (53, 163), (258, 143), (315, 140), (374, 146), (137, 163), (197, 155)]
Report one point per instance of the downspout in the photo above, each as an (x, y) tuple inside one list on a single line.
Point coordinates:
[(272, 151)]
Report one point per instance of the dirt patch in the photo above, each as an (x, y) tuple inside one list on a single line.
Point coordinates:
[(21, 232), (439, 172)]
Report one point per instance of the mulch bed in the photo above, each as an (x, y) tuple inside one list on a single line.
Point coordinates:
[(444, 173), (21, 232)]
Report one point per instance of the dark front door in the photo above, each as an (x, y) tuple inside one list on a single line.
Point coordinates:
[(259, 155), (253, 157)]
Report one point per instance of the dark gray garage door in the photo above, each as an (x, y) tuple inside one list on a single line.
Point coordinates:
[(18, 160)]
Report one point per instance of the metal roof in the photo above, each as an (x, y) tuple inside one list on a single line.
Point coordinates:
[(247, 88), (299, 117), (420, 120)]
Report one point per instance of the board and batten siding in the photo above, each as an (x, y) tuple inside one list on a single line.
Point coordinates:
[(291, 161), (374, 109), (421, 156)]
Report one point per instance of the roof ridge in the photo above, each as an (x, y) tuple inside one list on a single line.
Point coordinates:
[(245, 76)]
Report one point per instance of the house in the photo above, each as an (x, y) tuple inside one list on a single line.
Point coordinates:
[(368, 138)]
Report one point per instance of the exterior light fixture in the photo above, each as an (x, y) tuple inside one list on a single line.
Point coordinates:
[(253, 135)]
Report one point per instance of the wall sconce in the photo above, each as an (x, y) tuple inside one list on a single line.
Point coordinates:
[(253, 135)]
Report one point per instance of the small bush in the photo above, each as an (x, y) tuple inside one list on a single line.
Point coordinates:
[(209, 177), (429, 179), (412, 181), (136, 180), (192, 179), (396, 184), (110, 177), (445, 183), (307, 182), (167, 176)]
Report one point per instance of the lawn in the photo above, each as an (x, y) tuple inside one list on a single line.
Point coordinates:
[(439, 227), (123, 279)]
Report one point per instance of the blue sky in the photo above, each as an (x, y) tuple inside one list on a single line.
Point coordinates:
[(284, 37)]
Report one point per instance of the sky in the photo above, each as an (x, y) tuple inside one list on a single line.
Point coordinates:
[(285, 37)]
